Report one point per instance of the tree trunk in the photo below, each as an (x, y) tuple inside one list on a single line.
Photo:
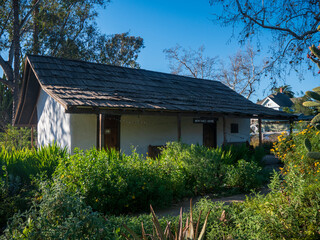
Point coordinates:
[(16, 54), (36, 47)]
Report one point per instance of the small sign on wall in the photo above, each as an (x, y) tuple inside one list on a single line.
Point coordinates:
[(204, 120)]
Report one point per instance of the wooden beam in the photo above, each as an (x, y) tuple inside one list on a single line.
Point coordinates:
[(32, 132), (224, 130), (260, 132), (98, 132), (179, 127), (101, 131)]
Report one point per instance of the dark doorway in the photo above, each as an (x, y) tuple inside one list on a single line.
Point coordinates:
[(112, 132), (210, 134)]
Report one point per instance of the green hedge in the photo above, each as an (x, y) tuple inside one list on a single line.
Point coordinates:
[(112, 182)]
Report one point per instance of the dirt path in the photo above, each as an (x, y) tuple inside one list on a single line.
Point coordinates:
[(174, 210)]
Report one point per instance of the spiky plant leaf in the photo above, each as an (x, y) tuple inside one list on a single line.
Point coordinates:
[(156, 223), (167, 232), (197, 226), (307, 144), (311, 104), (313, 95), (180, 228), (314, 155), (204, 227), (316, 119), (190, 233), (144, 236)]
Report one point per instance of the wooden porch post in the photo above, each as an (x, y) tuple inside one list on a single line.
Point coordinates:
[(98, 132), (260, 132), (179, 127), (32, 133), (101, 131), (224, 130), (290, 122)]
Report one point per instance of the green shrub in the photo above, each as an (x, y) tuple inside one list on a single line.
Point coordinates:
[(244, 175), (57, 214), (202, 167), (25, 163), (113, 182), (16, 138), (18, 167)]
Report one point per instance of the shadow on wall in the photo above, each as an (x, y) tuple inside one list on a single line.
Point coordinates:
[(53, 122)]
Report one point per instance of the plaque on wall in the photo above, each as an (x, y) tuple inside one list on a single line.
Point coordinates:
[(204, 120)]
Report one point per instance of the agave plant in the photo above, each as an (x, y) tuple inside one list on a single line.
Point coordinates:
[(188, 231)]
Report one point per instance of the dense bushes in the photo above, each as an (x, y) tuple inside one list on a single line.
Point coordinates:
[(17, 169), (18, 138), (57, 214), (26, 163), (108, 182), (289, 211), (112, 182)]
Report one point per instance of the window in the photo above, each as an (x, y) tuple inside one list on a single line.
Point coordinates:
[(234, 128)]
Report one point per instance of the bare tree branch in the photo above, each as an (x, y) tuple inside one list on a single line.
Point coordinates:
[(189, 62)]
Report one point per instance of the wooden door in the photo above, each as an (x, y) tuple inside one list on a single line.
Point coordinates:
[(210, 134), (112, 132)]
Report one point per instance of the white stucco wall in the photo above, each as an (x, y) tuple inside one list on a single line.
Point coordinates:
[(242, 136), (84, 131), (53, 122), (67, 130), (80, 130), (142, 131)]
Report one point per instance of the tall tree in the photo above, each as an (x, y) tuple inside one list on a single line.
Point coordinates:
[(62, 28), (292, 24), (16, 30), (285, 89), (121, 50), (191, 62), (242, 74)]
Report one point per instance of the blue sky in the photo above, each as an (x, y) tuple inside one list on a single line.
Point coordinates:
[(164, 23)]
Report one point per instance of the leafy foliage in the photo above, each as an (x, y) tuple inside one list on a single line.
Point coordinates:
[(17, 169), (16, 138), (57, 214), (121, 50), (112, 182), (289, 211), (60, 28), (244, 175)]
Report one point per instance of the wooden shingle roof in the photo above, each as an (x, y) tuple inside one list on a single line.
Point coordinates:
[(79, 84)]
